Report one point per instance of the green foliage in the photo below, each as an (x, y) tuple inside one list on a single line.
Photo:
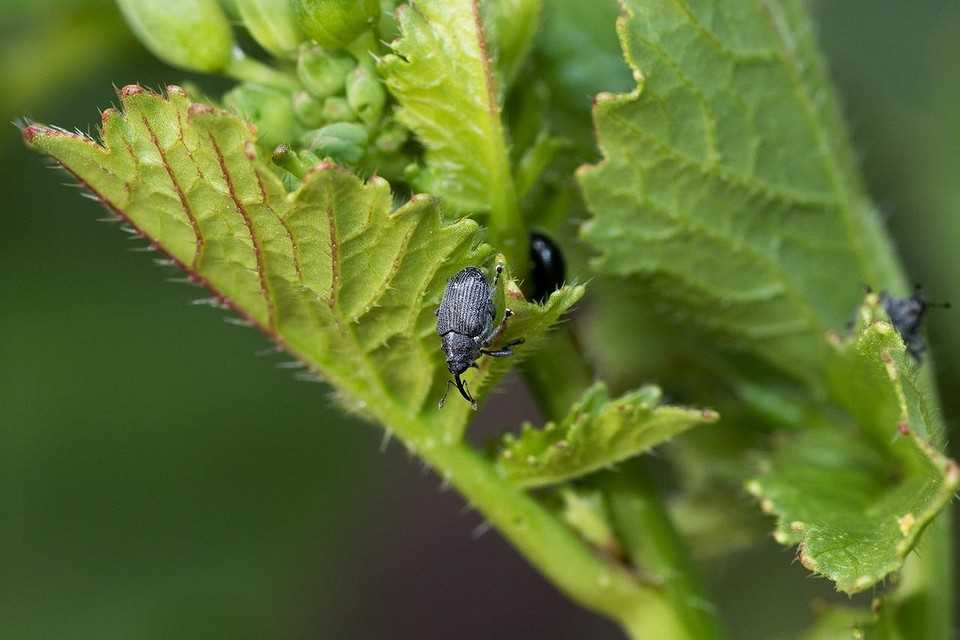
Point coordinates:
[(329, 272), (597, 433), (726, 196), (441, 75), (726, 185), (856, 503)]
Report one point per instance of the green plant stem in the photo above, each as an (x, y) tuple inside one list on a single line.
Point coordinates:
[(543, 539), (558, 374), (644, 529), (678, 608), (249, 70)]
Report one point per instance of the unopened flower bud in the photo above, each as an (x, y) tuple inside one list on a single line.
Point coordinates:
[(334, 24), (267, 108), (342, 141), (190, 34), (392, 138), (309, 110), (272, 24), (365, 95), (324, 73), (336, 109)]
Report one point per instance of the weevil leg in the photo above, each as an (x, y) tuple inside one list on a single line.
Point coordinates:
[(443, 398), (499, 330), (496, 277)]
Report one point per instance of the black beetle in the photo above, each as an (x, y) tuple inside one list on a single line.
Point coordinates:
[(465, 324), (548, 269), (907, 315)]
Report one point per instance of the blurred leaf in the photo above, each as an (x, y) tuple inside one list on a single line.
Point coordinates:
[(578, 55), (728, 187), (839, 623), (597, 433), (857, 505), (441, 75), (329, 272), (512, 26), (65, 42)]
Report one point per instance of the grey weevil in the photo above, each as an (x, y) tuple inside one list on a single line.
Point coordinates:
[(907, 315), (465, 324)]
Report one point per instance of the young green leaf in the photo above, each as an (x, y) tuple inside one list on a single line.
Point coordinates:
[(857, 505), (597, 433), (727, 186), (441, 74), (331, 273)]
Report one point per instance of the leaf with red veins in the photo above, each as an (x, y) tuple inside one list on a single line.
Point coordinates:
[(333, 273)]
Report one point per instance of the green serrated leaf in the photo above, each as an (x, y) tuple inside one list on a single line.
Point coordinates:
[(441, 74), (727, 186), (331, 272), (856, 503), (597, 433)]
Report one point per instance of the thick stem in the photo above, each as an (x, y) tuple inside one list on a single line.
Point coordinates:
[(646, 532), (541, 537)]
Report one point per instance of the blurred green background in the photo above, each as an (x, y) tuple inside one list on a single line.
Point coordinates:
[(158, 479)]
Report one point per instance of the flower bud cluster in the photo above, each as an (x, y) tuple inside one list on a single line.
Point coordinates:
[(319, 94)]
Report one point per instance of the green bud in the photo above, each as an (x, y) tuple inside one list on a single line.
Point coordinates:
[(285, 157), (365, 94), (309, 110), (190, 34), (324, 73), (392, 138), (336, 109), (342, 141), (273, 25), (336, 23), (309, 158), (267, 108)]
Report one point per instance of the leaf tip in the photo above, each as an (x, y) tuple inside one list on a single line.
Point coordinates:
[(175, 90), (198, 109), (131, 90), (30, 132), (906, 523)]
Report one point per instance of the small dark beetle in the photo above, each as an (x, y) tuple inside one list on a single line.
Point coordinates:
[(465, 324), (549, 270), (907, 315)]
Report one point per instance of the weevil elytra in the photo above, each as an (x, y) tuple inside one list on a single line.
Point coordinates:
[(466, 325), (548, 269), (907, 314)]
